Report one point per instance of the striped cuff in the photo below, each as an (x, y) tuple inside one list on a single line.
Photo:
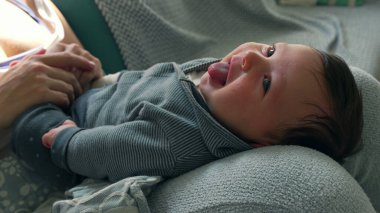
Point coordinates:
[(59, 149)]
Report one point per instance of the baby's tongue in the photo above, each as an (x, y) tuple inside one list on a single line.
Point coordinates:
[(219, 72)]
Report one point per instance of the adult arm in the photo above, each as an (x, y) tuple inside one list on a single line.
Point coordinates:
[(3, 55), (38, 79), (69, 35)]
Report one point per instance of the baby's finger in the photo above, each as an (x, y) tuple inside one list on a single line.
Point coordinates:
[(87, 78), (49, 137)]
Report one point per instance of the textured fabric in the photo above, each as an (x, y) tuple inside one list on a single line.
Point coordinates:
[(365, 165), (356, 32), (183, 29), (21, 190), (270, 179), (166, 30), (351, 32), (149, 31), (127, 195)]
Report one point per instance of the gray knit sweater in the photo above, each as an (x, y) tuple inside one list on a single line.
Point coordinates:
[(151, 122)]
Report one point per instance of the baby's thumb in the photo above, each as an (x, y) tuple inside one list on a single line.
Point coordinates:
[(47, 139)]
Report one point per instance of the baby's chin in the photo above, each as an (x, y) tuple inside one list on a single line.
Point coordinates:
[(202, 85)]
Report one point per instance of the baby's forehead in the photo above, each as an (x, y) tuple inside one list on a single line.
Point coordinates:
[(316, 68), (311, 97)]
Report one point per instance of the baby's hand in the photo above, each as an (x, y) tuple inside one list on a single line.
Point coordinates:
[(49, 137), (84, 77)]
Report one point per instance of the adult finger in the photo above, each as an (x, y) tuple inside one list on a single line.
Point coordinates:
[(98, 71), (46, 73), (42, 94), (39, 92), (57, 97), (66, 77), (63, 87), (85, 78), (57, 47), (35, 69), (65, 60), (74, 48)]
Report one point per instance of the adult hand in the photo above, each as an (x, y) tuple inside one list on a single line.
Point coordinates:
[(84, 77), (38, 79)]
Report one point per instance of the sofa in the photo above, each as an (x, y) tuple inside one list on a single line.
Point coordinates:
[(279, 178), (269, 179)]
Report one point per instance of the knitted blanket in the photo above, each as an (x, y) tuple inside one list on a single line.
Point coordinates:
[(149, 31), (152, 31)]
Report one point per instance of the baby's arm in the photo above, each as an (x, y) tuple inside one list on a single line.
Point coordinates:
[(115, 152)]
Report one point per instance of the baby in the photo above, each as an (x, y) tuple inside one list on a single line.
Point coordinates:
[(163, 122)]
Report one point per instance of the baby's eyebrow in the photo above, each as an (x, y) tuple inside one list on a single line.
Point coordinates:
[(280, 46), (278, 86), (274, 45)]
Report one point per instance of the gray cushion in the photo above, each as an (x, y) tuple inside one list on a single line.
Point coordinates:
[(365, 165), (270, 179)]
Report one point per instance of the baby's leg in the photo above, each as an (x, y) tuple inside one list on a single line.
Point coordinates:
[(49, 137)]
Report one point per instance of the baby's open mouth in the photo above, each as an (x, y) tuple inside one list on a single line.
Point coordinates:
[(219, 72)]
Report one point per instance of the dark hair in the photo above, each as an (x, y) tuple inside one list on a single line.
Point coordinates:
[(337, 135)]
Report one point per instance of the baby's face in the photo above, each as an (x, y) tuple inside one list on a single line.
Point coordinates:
[(258, 88)]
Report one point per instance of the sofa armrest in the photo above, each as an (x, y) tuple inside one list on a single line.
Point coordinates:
[(270, 179)]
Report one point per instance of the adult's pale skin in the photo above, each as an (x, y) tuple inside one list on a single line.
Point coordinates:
[(57, 76)]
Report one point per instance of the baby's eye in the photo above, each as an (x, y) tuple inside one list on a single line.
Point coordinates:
[(266, 84), (270, 51)]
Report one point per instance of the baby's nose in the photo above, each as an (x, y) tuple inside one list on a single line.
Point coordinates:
[(250, 59)]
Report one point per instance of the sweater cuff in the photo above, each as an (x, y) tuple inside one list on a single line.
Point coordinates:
[(60, 146)]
